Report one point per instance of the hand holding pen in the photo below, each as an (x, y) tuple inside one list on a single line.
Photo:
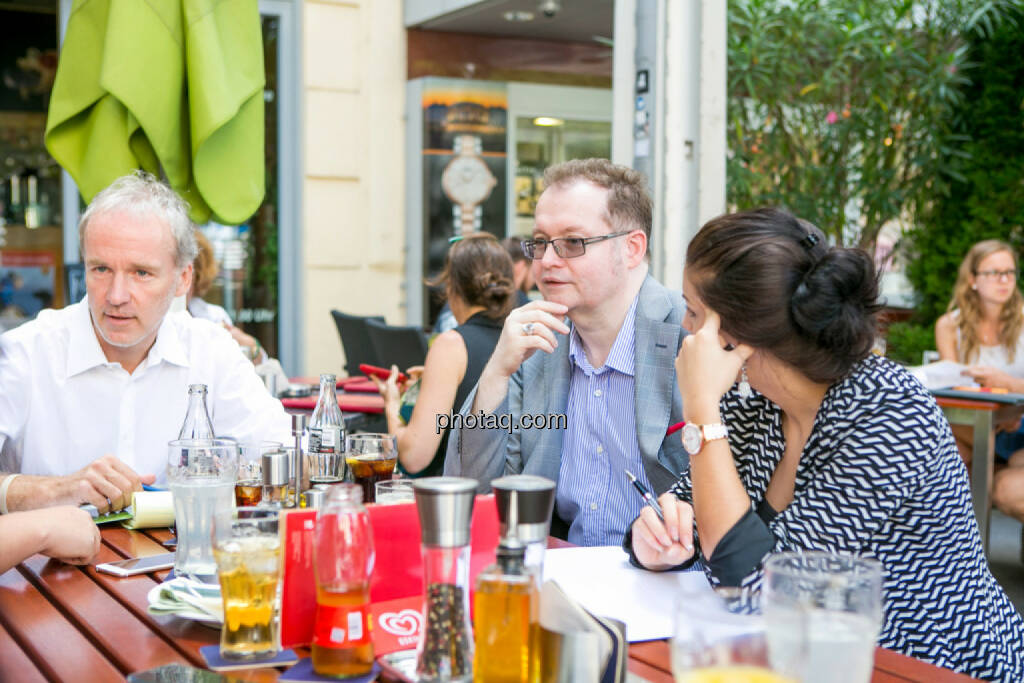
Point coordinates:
[(663, 533)]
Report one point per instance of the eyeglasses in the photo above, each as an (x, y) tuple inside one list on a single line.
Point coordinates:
[(570, 247), (1000, 275)]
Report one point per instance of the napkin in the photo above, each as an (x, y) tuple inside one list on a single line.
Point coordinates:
[(184, 597)]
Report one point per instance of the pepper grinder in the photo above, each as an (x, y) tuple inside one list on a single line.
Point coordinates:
[(298, 429), (445, 506)]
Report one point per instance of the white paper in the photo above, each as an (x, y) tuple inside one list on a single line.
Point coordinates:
[(942, 375), (603, 582)]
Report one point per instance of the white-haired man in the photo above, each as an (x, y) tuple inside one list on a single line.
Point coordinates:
[(91, 394)]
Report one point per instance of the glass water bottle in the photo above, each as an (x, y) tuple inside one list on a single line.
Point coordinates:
[(326, 446), (197, 424)]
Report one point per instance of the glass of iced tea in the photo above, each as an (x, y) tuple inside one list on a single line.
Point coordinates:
[(372, 458), (247, 549), (249, 486)]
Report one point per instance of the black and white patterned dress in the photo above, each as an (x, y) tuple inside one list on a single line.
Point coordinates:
[(880, 477)]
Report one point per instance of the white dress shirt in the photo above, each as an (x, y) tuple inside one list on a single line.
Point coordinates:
[(63, 405)]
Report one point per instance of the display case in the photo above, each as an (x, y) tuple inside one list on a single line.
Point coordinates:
[(31, 242)]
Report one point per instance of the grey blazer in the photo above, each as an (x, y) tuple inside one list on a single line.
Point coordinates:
[(541, 386)]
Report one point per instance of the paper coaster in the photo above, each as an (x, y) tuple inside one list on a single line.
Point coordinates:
[(211, 653), (303, 673)]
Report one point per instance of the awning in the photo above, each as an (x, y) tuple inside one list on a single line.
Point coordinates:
[(174, 87)]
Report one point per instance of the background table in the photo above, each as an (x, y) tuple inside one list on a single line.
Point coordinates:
[(65, 623), (978, 410)]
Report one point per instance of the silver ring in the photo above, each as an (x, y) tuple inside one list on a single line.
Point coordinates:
[(110, 505), (528, 328)]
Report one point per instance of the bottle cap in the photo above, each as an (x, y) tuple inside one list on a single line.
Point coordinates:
[(445, 506)]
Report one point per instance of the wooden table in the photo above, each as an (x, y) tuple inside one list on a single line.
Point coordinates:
[(651, 661), (65, 623)]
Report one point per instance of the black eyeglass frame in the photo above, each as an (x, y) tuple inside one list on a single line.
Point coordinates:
[(999, 275), (528, 246)]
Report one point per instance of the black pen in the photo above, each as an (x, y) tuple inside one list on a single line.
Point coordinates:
[(646, 495)]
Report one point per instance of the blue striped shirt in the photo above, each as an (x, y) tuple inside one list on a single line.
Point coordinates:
[(593, 496)]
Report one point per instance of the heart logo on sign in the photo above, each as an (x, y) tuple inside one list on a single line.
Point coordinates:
[(408, 622)]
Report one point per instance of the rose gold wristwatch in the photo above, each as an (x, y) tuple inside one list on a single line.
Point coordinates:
[(695, 436)]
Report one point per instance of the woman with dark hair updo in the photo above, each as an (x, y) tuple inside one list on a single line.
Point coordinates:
[(477, 279), (801, 439)]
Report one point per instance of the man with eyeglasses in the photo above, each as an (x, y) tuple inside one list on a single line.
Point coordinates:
[(610, 371)]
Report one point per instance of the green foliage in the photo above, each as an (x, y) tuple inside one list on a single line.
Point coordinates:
[(986, 198), (906, 341), (843, 110)]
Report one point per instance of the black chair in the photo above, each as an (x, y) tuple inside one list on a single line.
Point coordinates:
[(401, 346), (355, 340)]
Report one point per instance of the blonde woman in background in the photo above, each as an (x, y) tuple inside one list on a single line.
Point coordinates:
[(983, 329)]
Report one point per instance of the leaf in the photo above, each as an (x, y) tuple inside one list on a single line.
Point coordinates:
[(810, 87)]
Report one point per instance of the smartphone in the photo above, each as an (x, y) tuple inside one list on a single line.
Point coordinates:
[(382, 373), (138, 565)]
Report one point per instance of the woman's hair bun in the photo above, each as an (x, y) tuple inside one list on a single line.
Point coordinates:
[(835, 302), (778, 285)]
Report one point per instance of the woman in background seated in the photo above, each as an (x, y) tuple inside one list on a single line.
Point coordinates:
[(826, 446), (984, 329), (478, 281)]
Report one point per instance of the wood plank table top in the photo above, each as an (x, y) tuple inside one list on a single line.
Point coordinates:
[(65, 623)]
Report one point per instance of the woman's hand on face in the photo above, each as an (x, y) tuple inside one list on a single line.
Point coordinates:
[(706, 369), (659, 545)]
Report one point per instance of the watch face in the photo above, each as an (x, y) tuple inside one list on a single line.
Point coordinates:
[(467, 180), (692, 438)]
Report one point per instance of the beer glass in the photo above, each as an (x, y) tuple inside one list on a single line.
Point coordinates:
[(372, 458), (201, 474), (249, 487), (828, 604), (247, 549)]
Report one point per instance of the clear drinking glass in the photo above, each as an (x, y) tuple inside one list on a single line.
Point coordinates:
[(372, 458), (201, 474), (394, 491), (716, 637), (248, 553), (829, 605), (249, 486)]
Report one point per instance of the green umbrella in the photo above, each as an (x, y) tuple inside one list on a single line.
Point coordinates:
[(169, 86)]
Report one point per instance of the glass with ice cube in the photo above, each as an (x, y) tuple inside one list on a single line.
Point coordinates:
[(718, 637), (248, 553), (201, 474), (830, 606)]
